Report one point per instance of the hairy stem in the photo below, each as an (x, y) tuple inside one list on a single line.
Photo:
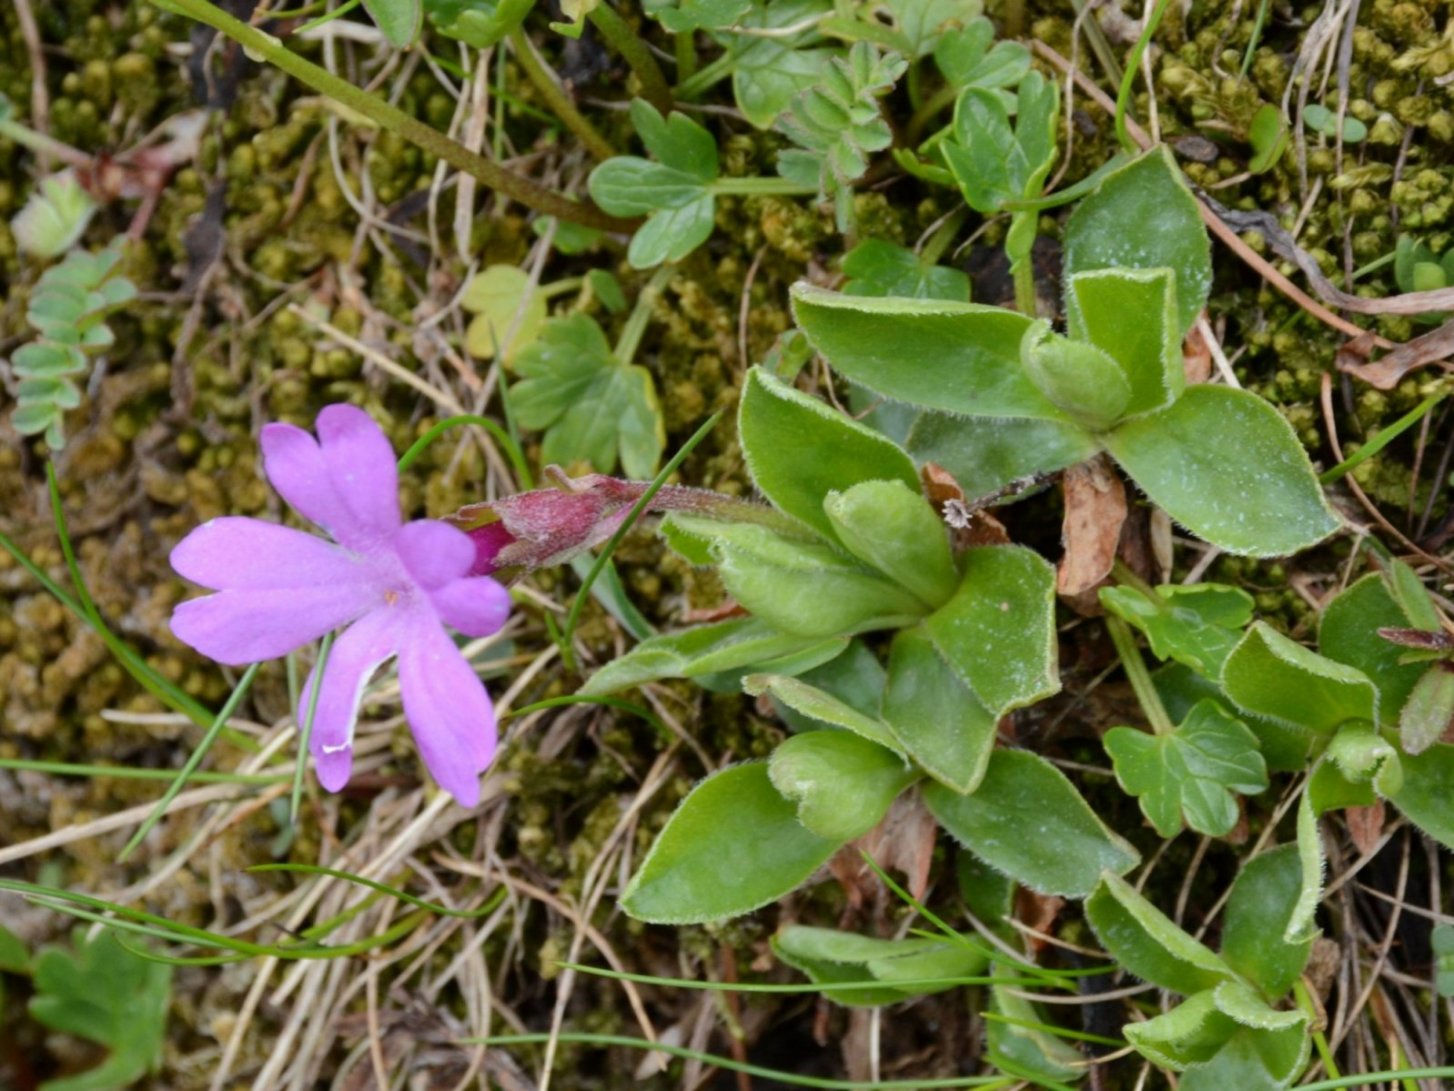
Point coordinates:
[(1139, 676), (555, 96), (631, 333), (390, 117), (625, 41)]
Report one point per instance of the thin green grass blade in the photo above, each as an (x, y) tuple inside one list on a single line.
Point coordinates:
[(502, 437), (306, 734), (1383, 439), (796, 987), (488, 907), (126, 772)]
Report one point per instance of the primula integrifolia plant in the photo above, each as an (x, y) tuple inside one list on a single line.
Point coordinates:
[(395, 585)]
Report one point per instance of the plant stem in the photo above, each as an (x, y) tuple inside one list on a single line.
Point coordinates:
[(1025, 298), (703, 78), (1138, 675), (625, 41), (43, 145), (686, 48), (555, 97), (630, 339), (390, 117), (760, 187), (943, 236), (1128, 79)]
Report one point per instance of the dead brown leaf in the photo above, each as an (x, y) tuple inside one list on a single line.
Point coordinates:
[(1095, 512)]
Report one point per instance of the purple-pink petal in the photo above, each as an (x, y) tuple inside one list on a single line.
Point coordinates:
[(447, 709), (433, 552), (476, 606), (295, 467), (236, 552), (352, 660), (362, 467), (248, 626)]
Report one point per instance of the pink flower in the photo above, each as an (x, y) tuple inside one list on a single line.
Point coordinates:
[(395, 585)]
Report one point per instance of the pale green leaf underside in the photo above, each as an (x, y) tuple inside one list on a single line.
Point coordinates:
[(842, 783), (1148, 943), (1269, 675)]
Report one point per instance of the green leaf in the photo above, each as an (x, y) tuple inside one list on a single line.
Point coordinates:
[(801, 587), (891, 526), (54, 218), (842, 783), (998, 631), (672, 233), (1193, 771), (1269, 138), (769, 70), (1348, 632), (398, 19), (1027, 820), (1363, 754), (1259, 912), (1192, 1031), (1079, 379), (1330, 790), (1028, 1050), (960, 357), (14, 958), (1429, 712), (936, 717), (1272, 676), (47, 359), (828, 956), (1131, 315), (799, 449), (1258, 496), (592, 408), (102, 992), (1144, 217), (1320, 119), (742, 643), (1424, 797), (607, 289), (686, 16), (992, 162), (1253, 1060), (921, 22), (479, 23), (1300, 924), (734, 845), (1148, 943), (808, 700), (879, 268), (503, 300), (985, 455), (1196, 624), (966, 58)]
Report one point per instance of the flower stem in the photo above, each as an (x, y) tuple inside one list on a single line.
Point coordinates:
[(625, 41), (555, 96), (388, 116), (630, 339), (1138, 675), (705, 77), (761, 187), (305, 729), (943, 236), (686, 50)]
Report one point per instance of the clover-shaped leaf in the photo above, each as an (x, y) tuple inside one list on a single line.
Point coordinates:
[(970, 57), (398, 19), (102, 992), (687, 16), (878, 268), (673, 190), (1196, 624), (770, 69), (509, 312), (993, 161), (1192, 771), (480, 23), (591, 407)]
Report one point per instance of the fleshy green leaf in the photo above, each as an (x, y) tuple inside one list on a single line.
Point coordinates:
[(985, 455), (1320, 119), (398, 19), (808, 700), (686, 16), (1348, 632), (1076, 377), (1130, 314), (592, 408), (1269, 138), (878, 268), (1190, 1032), (1256, 496), (1148, 943), (102, 992), (921, 22), (828, 956), (1196, 624), (739, 644), (1259, 911), (733, 845), (967, 58), (936, 717), (799, 449), (1424, 797), (1300, 925), (1027, 1049), (842, 783), (959, 357), (1253, 1060), (1364, 754), (1144, 217), (1272, 676), (1429, 712), (891, 526), (479, 23), (998, 631), (1028, 821), (1192, 771), (802, 587)]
